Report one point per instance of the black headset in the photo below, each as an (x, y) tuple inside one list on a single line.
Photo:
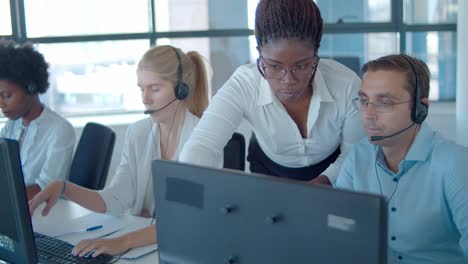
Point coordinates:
[(181, 88), (31, 88), (419, 111)]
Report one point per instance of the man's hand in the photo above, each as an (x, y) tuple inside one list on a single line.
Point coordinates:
[(322, 180)]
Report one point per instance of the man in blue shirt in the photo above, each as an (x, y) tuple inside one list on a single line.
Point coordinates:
[(422, 175)]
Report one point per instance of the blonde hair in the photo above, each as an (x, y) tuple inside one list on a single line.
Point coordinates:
[(162, 60)]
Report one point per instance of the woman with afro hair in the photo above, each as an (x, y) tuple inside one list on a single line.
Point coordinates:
[(46, 140)]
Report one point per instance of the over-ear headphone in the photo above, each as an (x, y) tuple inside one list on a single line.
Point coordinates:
[(419, 111), (31, 88), (181, 88)]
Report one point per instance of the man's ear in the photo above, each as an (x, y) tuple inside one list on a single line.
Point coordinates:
[(425, 101)]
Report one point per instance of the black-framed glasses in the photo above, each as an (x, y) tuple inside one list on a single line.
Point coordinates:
[(278, 71), (378, 106)]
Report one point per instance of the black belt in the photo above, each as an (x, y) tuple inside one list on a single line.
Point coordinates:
[(261, 163)]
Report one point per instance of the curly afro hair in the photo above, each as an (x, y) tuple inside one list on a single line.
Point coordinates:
[(24, 66)]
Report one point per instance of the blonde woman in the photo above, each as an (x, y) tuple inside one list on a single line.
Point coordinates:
[(174, 90)]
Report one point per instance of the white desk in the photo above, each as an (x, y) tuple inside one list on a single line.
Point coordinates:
[(65, 211)]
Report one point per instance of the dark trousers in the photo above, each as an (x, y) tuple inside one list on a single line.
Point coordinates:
[(261, 163)]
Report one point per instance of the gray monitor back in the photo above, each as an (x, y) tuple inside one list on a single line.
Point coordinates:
[(206, 215)]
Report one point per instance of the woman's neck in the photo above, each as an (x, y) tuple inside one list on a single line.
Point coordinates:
[(33, 112), (169, 132)]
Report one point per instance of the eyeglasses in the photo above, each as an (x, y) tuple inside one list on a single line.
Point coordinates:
[(278, 71), (379, 106)]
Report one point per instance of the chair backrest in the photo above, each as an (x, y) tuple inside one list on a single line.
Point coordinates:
[(92, 156), (354, 63), (234, 153)]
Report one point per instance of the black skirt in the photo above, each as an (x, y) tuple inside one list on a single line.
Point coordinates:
[(261, 163)]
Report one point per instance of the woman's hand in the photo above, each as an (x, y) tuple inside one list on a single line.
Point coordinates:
[(50, 195), (110, 246)]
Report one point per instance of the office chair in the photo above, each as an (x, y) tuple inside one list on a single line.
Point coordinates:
[(234, 153), (352, 62), (92, 156)]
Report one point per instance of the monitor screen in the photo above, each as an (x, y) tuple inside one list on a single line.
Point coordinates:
[(16, 237), (206, 215)]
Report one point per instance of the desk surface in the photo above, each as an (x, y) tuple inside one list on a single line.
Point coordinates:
[(65, 211)]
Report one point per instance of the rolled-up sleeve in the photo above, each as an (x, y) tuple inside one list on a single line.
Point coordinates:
[(218, 123), (120, 194), (351, 131)]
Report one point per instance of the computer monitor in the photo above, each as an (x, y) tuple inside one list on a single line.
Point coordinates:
[(206, 215), (16, 235)]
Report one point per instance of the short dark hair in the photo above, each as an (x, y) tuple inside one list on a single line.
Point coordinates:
[(397, 62), (276, 19), (23, 65)]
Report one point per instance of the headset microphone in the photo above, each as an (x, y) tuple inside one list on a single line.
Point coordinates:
[(147, 112), (376, 138)]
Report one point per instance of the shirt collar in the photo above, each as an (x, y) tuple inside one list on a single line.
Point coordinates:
[(321, 91), (420, 148), (40, 119), (422, 145)]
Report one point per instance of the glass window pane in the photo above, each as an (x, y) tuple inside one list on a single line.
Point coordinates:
[(224, 54), (85, 17), (438, 50), (354, 50), (5, 17), (430, 11), (187, 15), (93, 77), (349, 11)]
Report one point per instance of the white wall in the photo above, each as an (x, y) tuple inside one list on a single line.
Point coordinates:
[(462, 77)]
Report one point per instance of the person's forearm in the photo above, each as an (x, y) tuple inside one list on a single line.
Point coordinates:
[(142, 237), (89, 199), (32, 190), (322, 179)]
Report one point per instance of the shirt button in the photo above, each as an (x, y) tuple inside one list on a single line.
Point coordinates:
[(393, 209), (395, 179), (400, 257), (393, 238)]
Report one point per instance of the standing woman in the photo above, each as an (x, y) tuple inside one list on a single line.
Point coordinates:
[(298, 105), (46, 139), (174, 90)]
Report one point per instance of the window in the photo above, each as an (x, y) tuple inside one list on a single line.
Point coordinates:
[(189, 15), (354, 50), (354, 11), (438, 50), (224, 54), (90, 77), (93, 46), (430, 11), (5, 18), (45, 18)]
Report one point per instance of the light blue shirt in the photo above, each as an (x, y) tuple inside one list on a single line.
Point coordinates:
[(427, 198), (46, 149)]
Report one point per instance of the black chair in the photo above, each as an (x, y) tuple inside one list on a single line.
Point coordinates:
[(234, 153), (354, 63), (92, 156)]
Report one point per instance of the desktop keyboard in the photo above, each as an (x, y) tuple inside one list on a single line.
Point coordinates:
[(53, 250)]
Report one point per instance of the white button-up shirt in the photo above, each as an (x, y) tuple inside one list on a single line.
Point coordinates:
[(131, 188), (332, 121), (47, 147)]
